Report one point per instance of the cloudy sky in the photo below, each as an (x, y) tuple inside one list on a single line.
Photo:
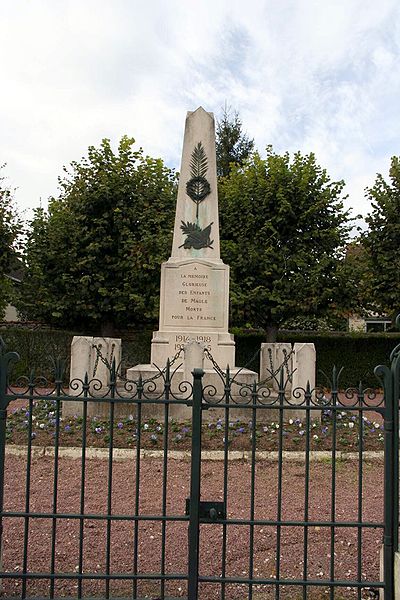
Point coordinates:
[(318, 76)]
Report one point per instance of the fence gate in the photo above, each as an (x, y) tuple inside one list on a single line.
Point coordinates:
[(216, 489)]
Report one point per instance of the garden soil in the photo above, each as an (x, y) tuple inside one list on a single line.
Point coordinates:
[(211, 537)]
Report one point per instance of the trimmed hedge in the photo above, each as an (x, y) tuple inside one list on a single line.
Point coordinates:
[(37, 349), (357, 353)]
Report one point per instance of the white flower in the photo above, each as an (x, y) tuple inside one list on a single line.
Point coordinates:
[(145, 426), (315, 437), (376, 425), (42, 425), (351, 425), (290, 421)]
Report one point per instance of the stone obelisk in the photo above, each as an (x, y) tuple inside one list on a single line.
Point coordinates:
[(194, 297)]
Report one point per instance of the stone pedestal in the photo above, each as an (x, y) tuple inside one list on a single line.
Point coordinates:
[(298, 365), (274, 356), (91, 355)]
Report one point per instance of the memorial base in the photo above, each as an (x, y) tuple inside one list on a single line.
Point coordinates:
[(213, 387), (166, 344)]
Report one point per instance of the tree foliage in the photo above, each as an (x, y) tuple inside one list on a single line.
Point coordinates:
[(283, 228), (382, 239), (233, 146), (94, 257), (357, 291), (10, 230)]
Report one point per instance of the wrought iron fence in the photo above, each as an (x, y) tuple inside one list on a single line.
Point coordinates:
[(232, 491)]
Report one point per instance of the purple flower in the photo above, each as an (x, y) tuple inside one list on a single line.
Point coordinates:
[(185, 430), (301, 432), (98, 430), (240, 430), (33, 435), (67, 428), (120, 425), (324, 430)]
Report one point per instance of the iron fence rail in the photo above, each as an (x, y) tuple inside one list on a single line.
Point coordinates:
[(257, 401)]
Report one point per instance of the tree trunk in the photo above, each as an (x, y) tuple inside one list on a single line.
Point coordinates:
[(271, 331), (107, 329)]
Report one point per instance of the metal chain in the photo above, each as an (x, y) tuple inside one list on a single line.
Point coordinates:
[(272, 375), (285, 365), (214, 363), (108, 364), (157, 375), (98, 353), (222, 373), (271, 364)]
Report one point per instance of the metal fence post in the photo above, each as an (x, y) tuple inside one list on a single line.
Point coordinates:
[(5, 360), (389, 486), (194, 532), (395, 369)]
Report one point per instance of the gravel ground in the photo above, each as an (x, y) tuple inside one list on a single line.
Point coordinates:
[(149, 539)]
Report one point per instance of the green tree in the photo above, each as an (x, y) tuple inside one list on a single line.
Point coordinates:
[(94, 257), (357, 288), (232, 145), (283, 229), (382, 239), (10, 231)]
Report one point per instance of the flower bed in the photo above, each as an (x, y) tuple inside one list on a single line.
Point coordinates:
[(295, 433)]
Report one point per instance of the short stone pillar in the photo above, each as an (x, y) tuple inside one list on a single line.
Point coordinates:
[(94, 356), (304, 361), (298, 365), (193, 358), (274, 356)]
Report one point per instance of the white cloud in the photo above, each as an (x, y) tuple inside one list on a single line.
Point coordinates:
[(308, 75)]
